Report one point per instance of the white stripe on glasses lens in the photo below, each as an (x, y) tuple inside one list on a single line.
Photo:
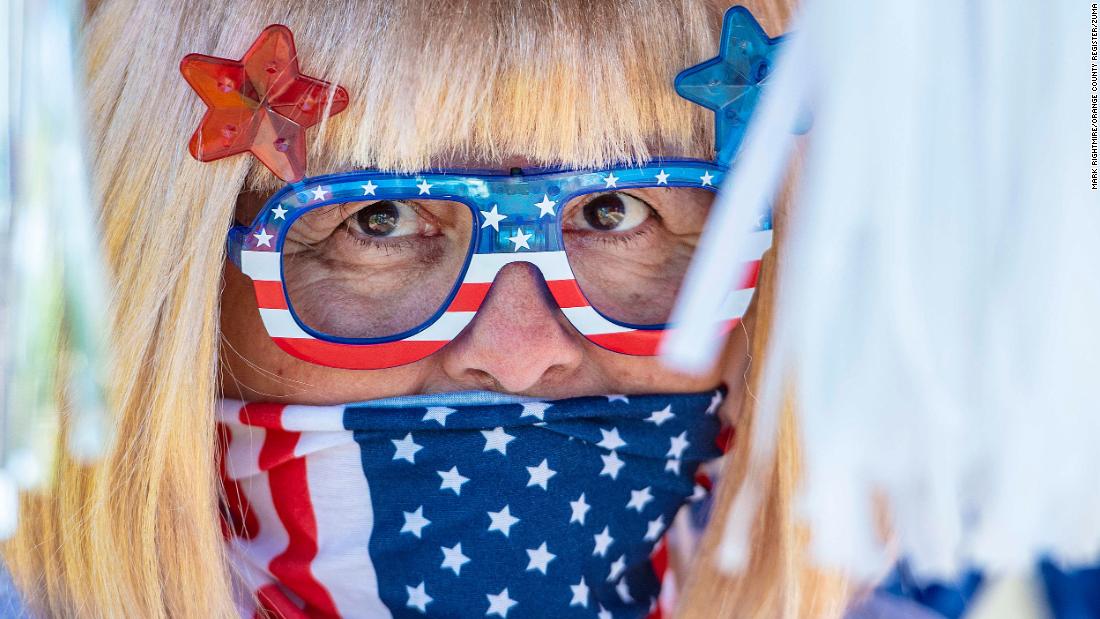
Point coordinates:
[(280, 323), (484, 267), (265, 265)]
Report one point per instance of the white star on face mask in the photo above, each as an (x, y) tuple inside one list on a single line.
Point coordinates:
[(540, 474), (502, 521), (539, 558), (500, 604), (418, 597), (452, 480), (453, 558), (405, 449), (497, 440), (580, 509)]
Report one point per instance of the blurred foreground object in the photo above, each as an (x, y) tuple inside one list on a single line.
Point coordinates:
[(53, 298), (939, 285)]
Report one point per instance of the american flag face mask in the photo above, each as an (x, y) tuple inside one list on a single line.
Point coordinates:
[(367, 270), (478, 508)]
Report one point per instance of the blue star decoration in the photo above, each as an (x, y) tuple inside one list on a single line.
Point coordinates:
[(730, 84)]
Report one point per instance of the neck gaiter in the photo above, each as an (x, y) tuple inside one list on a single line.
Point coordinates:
[(460, 505)]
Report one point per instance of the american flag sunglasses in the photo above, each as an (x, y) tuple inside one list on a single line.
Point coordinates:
[(501, 219)]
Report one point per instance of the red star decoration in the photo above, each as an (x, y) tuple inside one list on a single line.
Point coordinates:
[(260, 104)]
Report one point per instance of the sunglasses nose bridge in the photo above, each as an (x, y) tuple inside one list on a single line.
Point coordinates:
[(550, 268)]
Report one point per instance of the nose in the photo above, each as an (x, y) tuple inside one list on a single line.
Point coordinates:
[(518, 340)]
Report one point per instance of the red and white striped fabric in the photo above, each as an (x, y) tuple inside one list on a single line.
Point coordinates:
[(291, 528)]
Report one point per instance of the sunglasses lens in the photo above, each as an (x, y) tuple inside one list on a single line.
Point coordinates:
[(630, 248), (374, 269)]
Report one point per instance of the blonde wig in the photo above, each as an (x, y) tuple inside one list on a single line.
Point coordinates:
[(573, 82)]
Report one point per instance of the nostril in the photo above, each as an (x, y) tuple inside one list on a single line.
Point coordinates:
[(484, 380)]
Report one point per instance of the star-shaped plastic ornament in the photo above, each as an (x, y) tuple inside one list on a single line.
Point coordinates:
[(260, 104), (730, 84)]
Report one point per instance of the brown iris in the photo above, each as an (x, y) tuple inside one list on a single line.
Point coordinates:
[(605, 212), (378, 219)]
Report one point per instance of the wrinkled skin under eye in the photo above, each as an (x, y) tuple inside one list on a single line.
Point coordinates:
[(374, 269), (630, 249)]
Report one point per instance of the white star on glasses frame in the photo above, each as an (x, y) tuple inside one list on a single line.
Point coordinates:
[(546, 207), (520, 240), (492, 218), (263, 239)]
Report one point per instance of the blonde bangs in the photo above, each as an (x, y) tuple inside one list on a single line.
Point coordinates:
[(580, 83)]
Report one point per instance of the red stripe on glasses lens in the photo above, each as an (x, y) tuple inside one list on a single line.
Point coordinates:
[(269, 295), (355, 357), (469, 297), (642, 343), (567, 293), (752, 275)]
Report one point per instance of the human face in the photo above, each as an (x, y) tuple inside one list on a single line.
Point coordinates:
[(519, 342)]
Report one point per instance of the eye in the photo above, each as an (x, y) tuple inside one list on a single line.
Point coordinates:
[(385, 219), (614, 212)]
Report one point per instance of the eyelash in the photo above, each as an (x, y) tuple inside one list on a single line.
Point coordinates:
[(388, 247), (382, 244), (611, 239)]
